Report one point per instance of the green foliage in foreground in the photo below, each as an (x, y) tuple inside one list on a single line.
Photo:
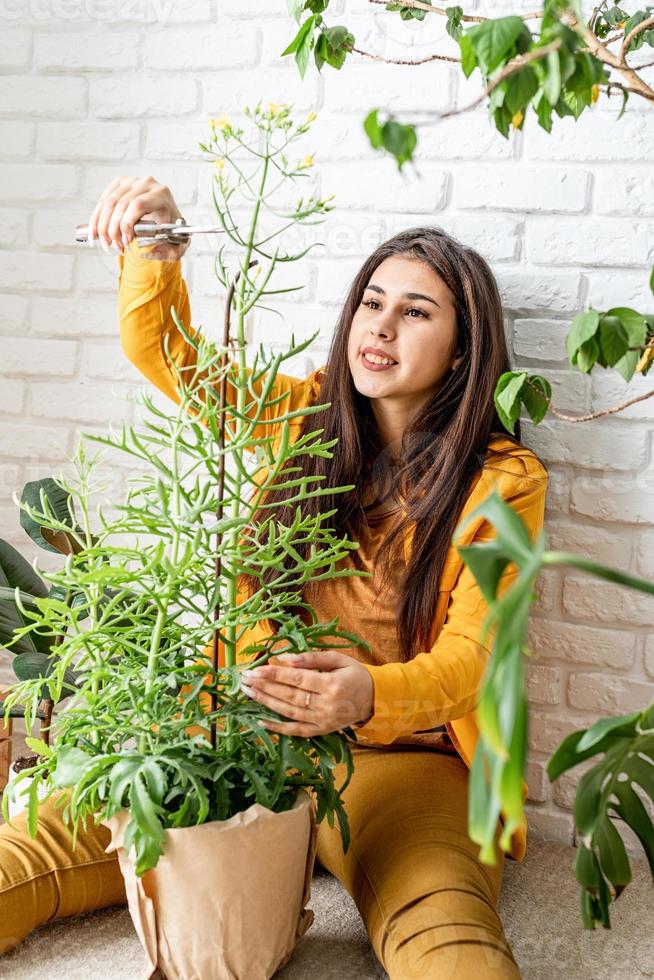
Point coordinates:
[(626, 744)]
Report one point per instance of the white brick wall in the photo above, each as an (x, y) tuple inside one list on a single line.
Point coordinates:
[(94, 89)]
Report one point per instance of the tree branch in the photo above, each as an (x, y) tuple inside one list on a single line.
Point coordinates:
[(643, 26), (605, 411), (602, 53), (406, 61), (418, 5), (516, 64)]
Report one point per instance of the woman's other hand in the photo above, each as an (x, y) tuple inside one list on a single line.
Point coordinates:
[(342, 692), (124, 202)]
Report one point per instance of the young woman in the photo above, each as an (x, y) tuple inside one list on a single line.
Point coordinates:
[(415, 356)]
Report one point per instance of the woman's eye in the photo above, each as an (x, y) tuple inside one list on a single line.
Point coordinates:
[(413, 309)]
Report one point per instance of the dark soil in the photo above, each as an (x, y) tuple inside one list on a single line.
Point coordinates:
[(25, 762)]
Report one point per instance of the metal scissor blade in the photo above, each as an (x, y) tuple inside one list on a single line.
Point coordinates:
[(194, 229)]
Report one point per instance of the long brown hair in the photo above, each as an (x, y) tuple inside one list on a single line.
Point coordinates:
[(443, 447)]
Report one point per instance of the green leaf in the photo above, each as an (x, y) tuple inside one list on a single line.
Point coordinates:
[(622, 726), (295, 9), (536, 394), (398, 139), (407, 13), (507, 397), (28, 666), (583, 328), (493, 39), (453, 24), (587, 355), (633, 21), (586, 868), (71, 765), (612, 854), (43, 496), (626, 366), (16, 571), (520, 89), (334, 45), (373, 130), (633, 322), (544, 113), (587, 798), (302, 43), (487, 563), (39, 746), (631, 810), (613, 339), (651, 281), (552, 83), (469, 59)]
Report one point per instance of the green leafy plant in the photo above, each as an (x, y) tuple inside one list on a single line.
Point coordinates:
[(158, 726), (601, 864)]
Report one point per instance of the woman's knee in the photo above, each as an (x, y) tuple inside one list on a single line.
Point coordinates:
[(45, 878), (452, 935)]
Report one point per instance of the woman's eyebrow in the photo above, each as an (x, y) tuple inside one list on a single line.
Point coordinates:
[(378, 289)]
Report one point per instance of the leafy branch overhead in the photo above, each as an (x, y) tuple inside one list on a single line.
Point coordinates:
[(558, 70)]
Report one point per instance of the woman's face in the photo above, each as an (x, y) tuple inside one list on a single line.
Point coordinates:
[(418, 332)]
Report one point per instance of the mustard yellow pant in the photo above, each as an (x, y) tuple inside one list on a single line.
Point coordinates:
[(429, 906)]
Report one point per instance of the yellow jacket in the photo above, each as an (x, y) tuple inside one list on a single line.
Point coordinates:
[(439, 685)]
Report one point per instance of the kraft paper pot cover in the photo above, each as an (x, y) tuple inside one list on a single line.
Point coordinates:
[(227, 899)]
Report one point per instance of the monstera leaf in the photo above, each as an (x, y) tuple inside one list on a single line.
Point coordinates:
[(601, 862)]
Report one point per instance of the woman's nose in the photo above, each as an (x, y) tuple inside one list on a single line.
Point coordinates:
[(382, 325)]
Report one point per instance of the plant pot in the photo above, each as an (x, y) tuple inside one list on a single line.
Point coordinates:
[(226, 900), (14, 807)]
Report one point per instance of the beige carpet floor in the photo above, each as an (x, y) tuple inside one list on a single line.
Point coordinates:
[(539, 906)]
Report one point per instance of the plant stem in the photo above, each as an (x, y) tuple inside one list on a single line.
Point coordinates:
[(162, 610), (230, 643)]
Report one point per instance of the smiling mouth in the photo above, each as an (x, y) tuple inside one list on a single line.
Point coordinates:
[(388, 362)]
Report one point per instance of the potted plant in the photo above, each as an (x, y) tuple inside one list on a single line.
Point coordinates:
[(32, 649), (210, 813)]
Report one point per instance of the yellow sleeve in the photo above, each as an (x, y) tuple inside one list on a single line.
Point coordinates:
[(147, 291), (444, 683)]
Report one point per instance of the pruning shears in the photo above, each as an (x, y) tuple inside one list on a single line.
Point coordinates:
[(150, 232)]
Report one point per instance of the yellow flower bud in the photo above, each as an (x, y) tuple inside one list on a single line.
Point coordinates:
[(277, 108), (311, 117), (222, 123), (219, 164), (517, 119), (595, 91), (307, 162)]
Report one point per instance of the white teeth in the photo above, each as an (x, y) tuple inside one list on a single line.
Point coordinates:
[(377, 360)]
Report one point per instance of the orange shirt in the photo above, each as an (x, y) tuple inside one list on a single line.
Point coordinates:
[(440, 685), (367, 607)]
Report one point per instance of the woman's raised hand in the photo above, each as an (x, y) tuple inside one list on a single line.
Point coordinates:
[(124, 202)]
